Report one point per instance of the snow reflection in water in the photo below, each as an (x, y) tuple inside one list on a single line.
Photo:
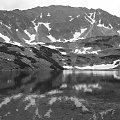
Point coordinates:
[(87, 88), (114, 73)]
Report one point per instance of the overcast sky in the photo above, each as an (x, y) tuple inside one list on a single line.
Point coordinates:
[(112, 6)]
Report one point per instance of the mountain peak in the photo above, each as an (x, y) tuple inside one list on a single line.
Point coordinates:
[(59, 23)]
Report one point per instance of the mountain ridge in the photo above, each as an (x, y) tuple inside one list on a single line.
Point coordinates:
[(58, 24)]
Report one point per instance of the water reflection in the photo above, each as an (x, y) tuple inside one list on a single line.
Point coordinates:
[(98, 84), (79, 91), (41, 82), (87, 88), (110, 73), (28, 82)]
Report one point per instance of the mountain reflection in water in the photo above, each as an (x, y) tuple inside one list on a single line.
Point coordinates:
[(92, 94), (27, 82)]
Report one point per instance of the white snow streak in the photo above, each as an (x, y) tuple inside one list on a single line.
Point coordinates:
[(7, 39)]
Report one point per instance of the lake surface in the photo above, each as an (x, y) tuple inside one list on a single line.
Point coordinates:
[(60, 95)]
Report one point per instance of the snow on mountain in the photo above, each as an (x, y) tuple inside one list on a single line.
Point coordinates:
[(101, 66), (57, 23), (90, 19), (7, 39), (32, 37), (83, 37)]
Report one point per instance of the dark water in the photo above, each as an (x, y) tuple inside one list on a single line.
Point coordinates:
[(56, 95)]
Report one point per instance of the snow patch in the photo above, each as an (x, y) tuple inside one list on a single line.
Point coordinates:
[(63, 53), (102, 25), (91, 14), (76, 35), (52, 38), (7, 39), (41, 15), (100, 67), (48, 15), (32, 37), (78, 16), (119, 33), (71, 19), (111, 26), (33, 43), (68, 67), (91, 20), (52, 47), (83, 30), (85, 51), (16, 43), (46, 25)]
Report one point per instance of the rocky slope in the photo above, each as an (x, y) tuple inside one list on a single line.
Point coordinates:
[(14, 57), (89, 52)]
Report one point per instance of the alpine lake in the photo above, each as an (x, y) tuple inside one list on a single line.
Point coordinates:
[(60, 95)]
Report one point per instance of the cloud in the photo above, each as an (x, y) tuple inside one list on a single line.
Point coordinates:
[(21, 4), (10, 4)]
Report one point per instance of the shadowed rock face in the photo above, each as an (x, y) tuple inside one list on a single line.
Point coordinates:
[(28, 58)]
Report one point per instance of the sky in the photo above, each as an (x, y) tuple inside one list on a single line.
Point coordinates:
[(111, 6)]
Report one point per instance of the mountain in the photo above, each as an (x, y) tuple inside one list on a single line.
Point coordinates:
[(54, 37), (56, 23)]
